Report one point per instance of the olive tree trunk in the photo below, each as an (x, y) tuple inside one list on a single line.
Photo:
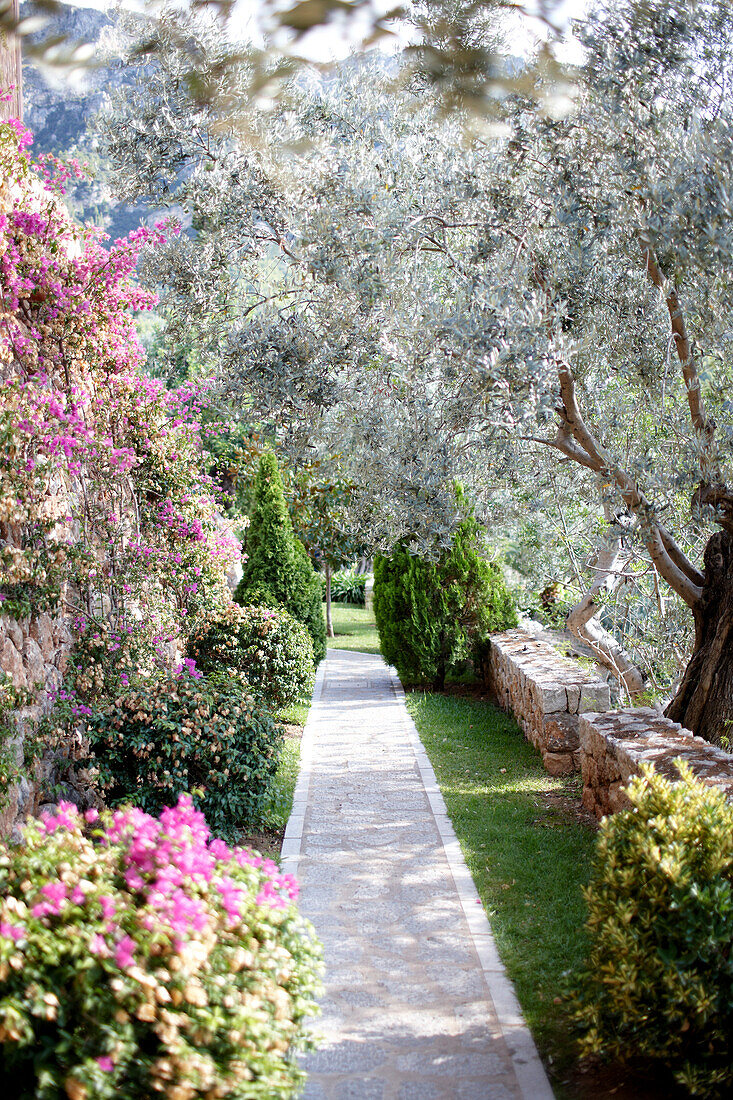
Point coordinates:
[(704, 699), (329, 620), (582, 622)]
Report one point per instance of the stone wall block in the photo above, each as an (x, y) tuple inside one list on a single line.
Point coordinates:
[(594, 697), (557, 763), (11, 662), (589, 800), (617, 798), (560, 733), (615, 745), (554, 698), (544, 690), (573, 696)]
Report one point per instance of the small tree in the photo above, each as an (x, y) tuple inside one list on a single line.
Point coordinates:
[(319, 510), (278, 571), (432, 615)]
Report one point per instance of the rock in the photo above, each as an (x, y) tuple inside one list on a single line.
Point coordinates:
[(14, 631), (11, 663), (42, 631), (35, 666), (558, 763)]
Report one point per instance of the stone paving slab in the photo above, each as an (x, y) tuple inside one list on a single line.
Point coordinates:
[(417, 1005)]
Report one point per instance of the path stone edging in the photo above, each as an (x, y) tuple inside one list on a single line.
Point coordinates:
[(530, 1072), (293, 838)]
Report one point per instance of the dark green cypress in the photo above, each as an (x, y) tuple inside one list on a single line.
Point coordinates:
[(278, 571), (431, 616)]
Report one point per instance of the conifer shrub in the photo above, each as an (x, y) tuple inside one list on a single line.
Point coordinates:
[(141, 958), (269, 648), (187, 733), (431, 616), (658, 983), (278, 571)]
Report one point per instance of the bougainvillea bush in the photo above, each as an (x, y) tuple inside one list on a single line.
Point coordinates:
[(140, 957), (187, 733), (659, 978), (271, 649), (105, 509)]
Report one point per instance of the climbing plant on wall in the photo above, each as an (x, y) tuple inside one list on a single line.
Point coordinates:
[(105, 514)]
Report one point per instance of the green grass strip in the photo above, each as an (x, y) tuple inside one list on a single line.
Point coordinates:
[(354, 627), (528, 854)]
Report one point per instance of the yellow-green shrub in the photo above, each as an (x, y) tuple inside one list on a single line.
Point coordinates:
[(658, 984)]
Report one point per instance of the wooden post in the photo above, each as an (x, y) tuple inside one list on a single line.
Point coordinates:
[(11, 71)]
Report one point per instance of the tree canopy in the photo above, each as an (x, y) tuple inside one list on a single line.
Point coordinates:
[(370, 281)]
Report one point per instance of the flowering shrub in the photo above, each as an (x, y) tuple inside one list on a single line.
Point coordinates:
[(659, 978), (269, 647), (139, 957), (175, 734), (105, 510)]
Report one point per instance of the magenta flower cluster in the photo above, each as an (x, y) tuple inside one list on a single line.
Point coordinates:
[(104, 482), (140, 956)]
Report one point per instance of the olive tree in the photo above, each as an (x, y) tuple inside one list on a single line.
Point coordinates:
[(435, 309)]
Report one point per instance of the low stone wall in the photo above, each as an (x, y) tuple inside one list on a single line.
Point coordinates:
[(546, 693), (613, 746)]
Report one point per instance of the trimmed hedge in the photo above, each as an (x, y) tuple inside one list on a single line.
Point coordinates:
[(269, 648), (188, 733), (658, 984)]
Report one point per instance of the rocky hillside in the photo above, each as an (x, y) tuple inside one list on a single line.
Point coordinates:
[(58, 112)]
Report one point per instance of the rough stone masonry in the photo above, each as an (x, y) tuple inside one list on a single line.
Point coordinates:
[(546, 693), (614, 745)]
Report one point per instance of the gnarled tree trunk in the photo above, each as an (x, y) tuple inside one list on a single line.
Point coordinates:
[(583, 623), (704, 700)]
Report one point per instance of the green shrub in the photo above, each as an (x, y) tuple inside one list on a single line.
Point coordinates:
[(141, 958), (278, 572), (348, 586), (173, 734), (431, 616), (271, 649), (658, 983)]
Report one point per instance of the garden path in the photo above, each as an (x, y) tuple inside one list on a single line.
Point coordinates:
[(417, 1005)]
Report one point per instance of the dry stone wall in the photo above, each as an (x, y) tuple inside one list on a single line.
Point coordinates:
[(33, 654), (614, 745), (546, 694)]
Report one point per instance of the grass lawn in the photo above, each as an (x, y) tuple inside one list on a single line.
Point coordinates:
[(267, 835), (527, 849), (354, 627)]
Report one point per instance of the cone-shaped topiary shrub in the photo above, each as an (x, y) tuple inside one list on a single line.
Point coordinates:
[(658, 984), (267, 646), (142, 958), (433, 615), (278, 571)]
